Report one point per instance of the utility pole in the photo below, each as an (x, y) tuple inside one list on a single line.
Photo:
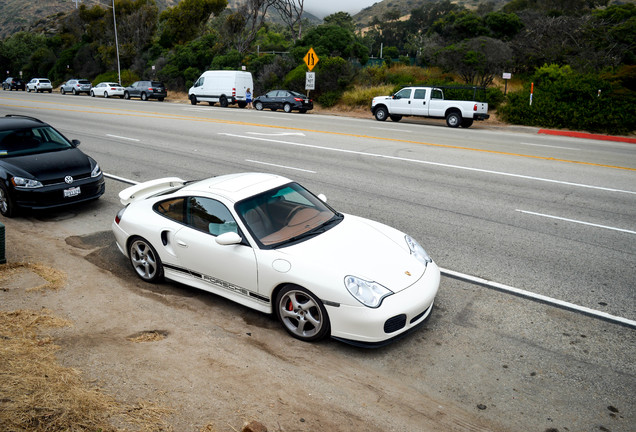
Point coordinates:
[(116, 44)]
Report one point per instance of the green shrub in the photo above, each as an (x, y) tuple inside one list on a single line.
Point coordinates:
[(564, 99), (329, 99)]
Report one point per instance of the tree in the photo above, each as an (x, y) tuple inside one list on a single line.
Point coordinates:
[(242, 26), (184, 22), (291, 12), (476, 60)]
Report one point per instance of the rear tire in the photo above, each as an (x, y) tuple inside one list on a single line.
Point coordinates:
[(453, 119), (145, 260), (466, 123), (105, 95), (223, 101), (287, 108), (144, 96), (396, 118)]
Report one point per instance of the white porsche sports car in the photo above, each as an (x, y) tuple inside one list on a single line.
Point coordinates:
[(268, 243)]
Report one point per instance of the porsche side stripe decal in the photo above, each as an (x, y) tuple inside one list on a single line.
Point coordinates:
[(219, 283)]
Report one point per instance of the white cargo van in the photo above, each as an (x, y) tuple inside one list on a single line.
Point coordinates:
[(222, 86)]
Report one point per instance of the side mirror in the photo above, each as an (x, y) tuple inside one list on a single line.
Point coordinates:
[(229, 238), (75, 142)]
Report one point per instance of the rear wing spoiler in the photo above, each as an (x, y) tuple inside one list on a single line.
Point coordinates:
[(149, 188)]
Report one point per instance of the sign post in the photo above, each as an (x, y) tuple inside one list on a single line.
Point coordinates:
[(311, 59), (506, 76)]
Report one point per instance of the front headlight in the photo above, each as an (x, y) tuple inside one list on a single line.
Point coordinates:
[(25, 182), (96, 171), (368, 293), (417, 250)]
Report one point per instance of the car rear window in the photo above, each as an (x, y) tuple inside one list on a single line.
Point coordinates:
[(45, 81), (84, 81), (157, 84)]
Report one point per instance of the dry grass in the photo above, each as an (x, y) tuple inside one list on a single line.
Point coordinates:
[(38, 394), (55, 279)]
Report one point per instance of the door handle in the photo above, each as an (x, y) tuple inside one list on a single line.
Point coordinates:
[(182, 243)]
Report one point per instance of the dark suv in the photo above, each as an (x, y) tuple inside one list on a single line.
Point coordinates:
[(13, 84), (146, 90)]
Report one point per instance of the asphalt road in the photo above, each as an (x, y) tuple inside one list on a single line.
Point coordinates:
[(554, 216)]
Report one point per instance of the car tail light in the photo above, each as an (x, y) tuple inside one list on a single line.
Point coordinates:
[(475, 107), (120, 213), (233, 92), (297, 99)]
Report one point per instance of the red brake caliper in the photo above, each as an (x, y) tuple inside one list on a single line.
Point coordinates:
[(290, 307)]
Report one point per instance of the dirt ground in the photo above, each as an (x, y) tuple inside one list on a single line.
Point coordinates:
[(186, 360)]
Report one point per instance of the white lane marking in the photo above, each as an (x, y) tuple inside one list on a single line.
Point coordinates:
[(277, 133), (577, 221), (121, 137), (551, 146), (498, 286), (403, 159), (280, 166), (540, 298), (390, 129)]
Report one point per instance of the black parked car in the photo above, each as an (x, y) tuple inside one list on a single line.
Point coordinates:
[(286, 100), (146, 90), (40, 168), (13, 84)]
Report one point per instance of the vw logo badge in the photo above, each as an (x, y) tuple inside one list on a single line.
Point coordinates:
[(68, 179)]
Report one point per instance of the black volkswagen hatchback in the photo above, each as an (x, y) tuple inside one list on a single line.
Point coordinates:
[(40, 168)]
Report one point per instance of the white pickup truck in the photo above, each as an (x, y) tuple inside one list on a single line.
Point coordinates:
[(428, 102)]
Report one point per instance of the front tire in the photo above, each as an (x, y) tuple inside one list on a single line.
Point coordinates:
[(193, 99), (145, 260), (258, 106), (302, 314), (92, 93), (62, 90), (126, 95), (453, 119), (381, 114), (7, 208)]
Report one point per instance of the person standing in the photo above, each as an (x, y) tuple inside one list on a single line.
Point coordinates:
[(248, 98)]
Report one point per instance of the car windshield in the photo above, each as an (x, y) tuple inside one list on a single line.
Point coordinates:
[(21, 142), (286, 215)]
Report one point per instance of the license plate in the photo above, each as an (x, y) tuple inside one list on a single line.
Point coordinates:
[(71, 192)]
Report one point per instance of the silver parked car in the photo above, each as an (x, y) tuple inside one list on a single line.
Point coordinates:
[(76, 86), (39, 85)]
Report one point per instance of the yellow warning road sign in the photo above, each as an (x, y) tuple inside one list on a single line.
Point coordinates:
[(311, 58)]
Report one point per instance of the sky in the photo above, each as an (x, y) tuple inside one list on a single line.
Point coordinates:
[(322, 8)]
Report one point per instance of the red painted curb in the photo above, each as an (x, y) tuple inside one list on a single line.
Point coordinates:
[(588, 136)]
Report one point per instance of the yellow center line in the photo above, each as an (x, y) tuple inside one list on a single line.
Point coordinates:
[(128, 112)]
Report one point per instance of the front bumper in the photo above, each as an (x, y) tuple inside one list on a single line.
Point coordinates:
[(50, 196), (398, 314)]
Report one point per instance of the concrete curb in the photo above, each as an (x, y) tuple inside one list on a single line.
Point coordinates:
[(587, 136)]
